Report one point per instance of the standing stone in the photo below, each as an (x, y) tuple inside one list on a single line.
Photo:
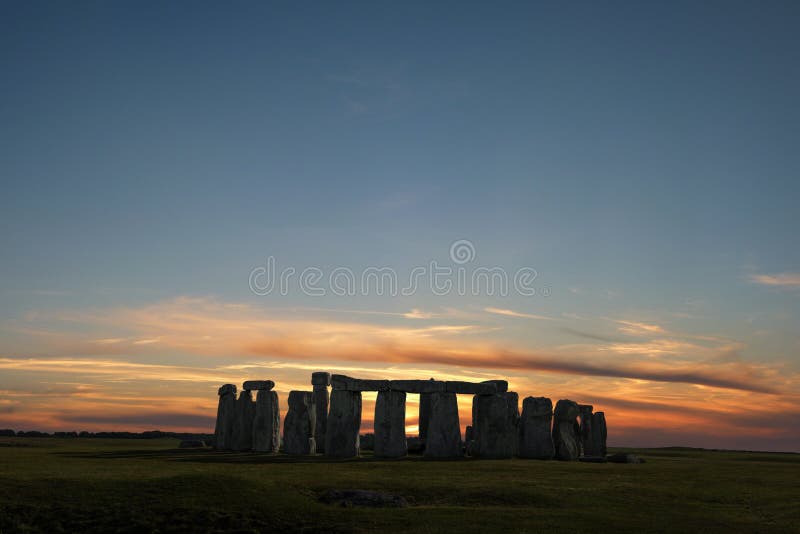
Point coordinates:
[(495, 419), (320, 381), (424, 416), (298, 427), (344, 422), (443, 439), (390, 424), (243, 423), (535, 438), (599, 433), (226, 415), (587, 437), (267, 422), (566, 432)]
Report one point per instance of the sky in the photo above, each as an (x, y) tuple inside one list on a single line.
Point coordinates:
[(593, 201)]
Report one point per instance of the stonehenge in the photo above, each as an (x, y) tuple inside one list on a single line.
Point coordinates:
[(535, 439), (566, 431), (298, 427), (328, 422)]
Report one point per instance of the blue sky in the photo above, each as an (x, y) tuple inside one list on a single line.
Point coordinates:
[(642, 158)]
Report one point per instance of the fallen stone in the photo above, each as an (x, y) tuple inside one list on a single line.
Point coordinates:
[(371, 499), (593, 459), (417, 386), (226, 416), (443, 439), (495, 421), (192, 444), (599, 433), (502, 385), (625, 458), (390, 424), (470, 388), (346, 383), (267, 422), (258, 385), (321, 400), (320, 378), (566, 431), (298, 427), (344, 422), (243, 422), (535, 435)]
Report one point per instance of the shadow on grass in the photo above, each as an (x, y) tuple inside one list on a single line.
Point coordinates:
[(227, 457)]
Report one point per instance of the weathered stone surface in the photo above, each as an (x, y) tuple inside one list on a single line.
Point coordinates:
[(371, 499), (344, 422), (267, 422), (502, 385), (588, 447), (390, 424), (443, 439), (566, 431), (243, 422), (227, 388), (298, 427), (342, 382), (470, 388), (495, 419), (424, 415), (320, 378), (258, 385), (226, 415), (417, 386), (535, 437), (599, 433), (321, 422)]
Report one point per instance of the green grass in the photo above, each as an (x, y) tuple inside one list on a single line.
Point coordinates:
[(84, 485)]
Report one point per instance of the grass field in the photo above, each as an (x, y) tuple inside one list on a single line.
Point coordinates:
[(80, 485)]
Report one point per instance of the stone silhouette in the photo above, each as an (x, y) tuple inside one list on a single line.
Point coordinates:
[(495, 420), (390, 424), (267, 422), (226, 415), (535, 437), (344, 422), (599, 433), (320, 382), (243, 422), (566, 431), (443, 439), (298, 427)]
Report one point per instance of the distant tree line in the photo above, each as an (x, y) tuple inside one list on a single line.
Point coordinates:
[(150, 434)]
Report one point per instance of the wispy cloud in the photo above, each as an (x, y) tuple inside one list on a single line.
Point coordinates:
[(512, 313), (781, 280)]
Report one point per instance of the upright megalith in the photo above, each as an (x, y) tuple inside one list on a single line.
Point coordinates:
[(267, 422), (298, 427), (243, 422), (390, 424), (495, 419), (535, 437), (320, 381), (588, 447), (344, 422), (566, 431), (226, 416), (599, 433), (443, 439)]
